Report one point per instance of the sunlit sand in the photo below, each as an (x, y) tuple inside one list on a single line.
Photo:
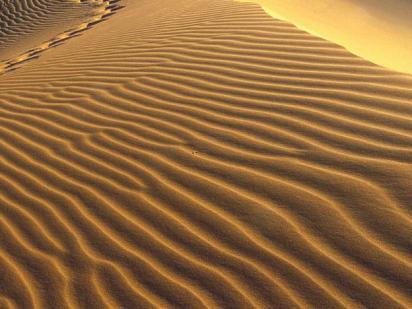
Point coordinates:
[(376, 30), (205, 154)]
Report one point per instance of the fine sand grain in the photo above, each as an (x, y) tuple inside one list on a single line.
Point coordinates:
[(197, 154)]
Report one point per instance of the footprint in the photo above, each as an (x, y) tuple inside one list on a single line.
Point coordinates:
[(106, 9)]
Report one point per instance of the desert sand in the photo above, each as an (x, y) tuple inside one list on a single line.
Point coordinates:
[(376, 30), (197, 154)]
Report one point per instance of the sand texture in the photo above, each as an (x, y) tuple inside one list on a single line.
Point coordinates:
[(197, 154), (376, 30)]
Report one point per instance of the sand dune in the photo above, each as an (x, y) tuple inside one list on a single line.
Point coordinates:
[(198, 153), (30, 29), (377, 30)]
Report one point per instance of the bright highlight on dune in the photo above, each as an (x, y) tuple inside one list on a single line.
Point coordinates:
[(376, 30), (199, 154)]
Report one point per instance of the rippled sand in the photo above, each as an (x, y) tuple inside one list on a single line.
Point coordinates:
[(197, 154)]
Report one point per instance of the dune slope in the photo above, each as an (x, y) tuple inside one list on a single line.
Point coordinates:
[(201, 154), (377, 30), (26, 23)]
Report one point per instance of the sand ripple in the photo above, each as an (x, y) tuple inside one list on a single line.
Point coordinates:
[(202, 154)]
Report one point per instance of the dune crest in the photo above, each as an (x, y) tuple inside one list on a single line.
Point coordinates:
[(202, 154), (376, 30), (100, 10)]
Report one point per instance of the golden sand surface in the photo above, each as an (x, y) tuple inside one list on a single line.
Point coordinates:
[(197, 154), (376, 30)]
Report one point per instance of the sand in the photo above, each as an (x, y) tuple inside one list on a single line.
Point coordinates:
[(376, 30), (198, 154)]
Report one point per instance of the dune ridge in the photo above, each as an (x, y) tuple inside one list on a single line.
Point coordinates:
[(377, 30), (201, 154), (17, 17)]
